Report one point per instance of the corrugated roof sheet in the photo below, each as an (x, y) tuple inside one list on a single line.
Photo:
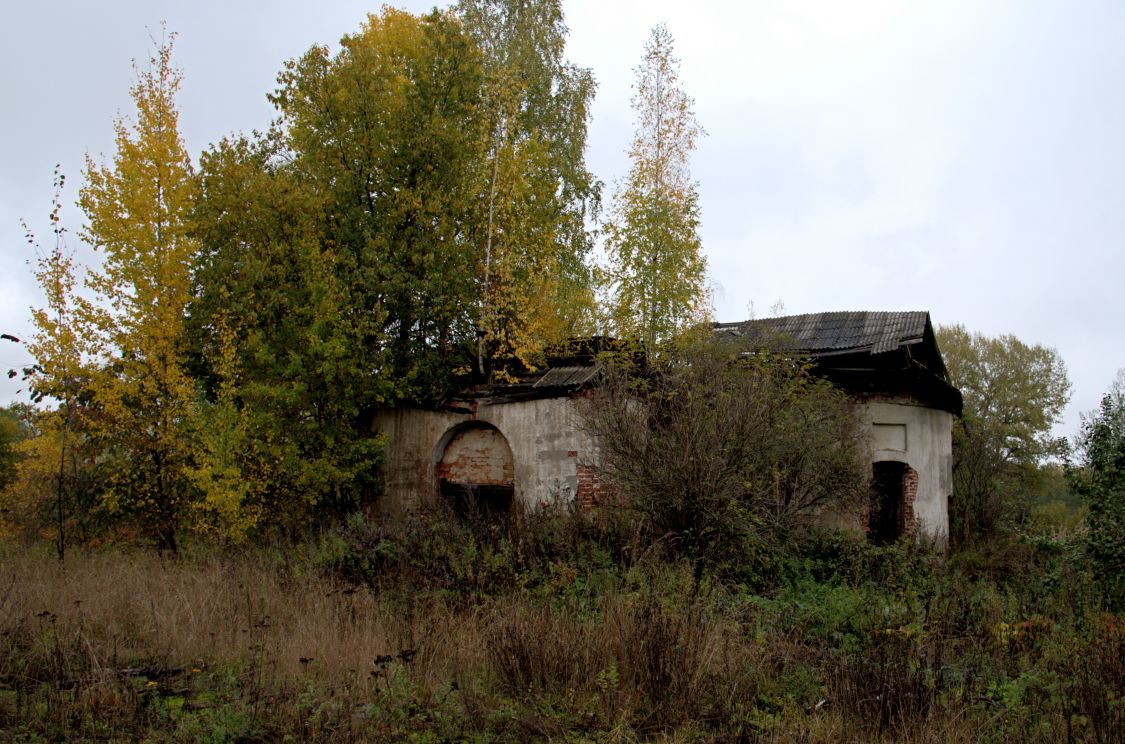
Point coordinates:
[(566, 376), (876, 332)]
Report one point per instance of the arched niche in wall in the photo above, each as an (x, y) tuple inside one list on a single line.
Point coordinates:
[(475, 470)]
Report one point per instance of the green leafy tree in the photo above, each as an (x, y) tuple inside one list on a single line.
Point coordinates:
[(1014, 394), (13, 430), (657, 271), (137, 213), (337, 274), (387, 133), (1099, 479), (537, 195), (289, 371)]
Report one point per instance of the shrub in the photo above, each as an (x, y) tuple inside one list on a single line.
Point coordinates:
[(721, 451), (547, 552)]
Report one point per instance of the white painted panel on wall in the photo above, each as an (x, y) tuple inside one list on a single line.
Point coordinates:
[(889, 437)]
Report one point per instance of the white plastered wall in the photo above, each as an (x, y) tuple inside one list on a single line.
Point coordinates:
[(922, 437), (545, 436)]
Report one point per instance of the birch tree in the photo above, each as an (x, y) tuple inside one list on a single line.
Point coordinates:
[(656, 270), (536, 193)]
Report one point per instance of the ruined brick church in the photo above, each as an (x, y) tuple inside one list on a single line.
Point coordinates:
[(523, 443)]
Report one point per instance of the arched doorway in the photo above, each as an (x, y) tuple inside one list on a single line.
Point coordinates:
[(475, 470), (886, 515)]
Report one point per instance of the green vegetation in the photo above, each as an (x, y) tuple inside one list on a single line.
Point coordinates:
[(724, 454), (1003, 446), (1099, 480), (563, 628), (13, 430)]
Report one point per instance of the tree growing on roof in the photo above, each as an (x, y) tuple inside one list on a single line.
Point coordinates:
[(535, 193), (656, 272)]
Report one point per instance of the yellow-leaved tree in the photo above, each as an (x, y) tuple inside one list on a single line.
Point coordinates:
[(44, 487), (138, 212)]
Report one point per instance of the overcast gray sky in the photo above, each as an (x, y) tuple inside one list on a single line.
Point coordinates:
[(959, 156)]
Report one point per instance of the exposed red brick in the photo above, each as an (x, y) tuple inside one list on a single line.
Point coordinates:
[(909, 524), (592, 490), (477, 455)]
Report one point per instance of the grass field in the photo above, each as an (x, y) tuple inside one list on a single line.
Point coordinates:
[(443, 634)]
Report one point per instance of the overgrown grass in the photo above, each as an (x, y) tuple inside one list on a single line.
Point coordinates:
[(562, 629)]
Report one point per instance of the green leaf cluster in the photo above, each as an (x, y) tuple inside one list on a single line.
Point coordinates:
[(13, 430), (1099, 479)]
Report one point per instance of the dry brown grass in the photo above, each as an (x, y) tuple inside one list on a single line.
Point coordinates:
[(103, 625), (135, 608), (253, 647), (130, 616)]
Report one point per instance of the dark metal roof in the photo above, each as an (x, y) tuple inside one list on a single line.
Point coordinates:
[(554, 382), (836, 332), (567, 376), (866, 353)]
